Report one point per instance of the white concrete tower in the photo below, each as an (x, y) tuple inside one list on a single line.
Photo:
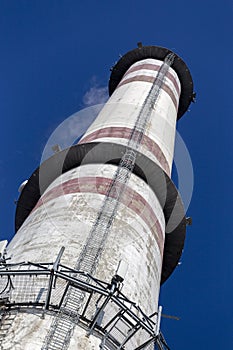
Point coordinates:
[(100, 226)]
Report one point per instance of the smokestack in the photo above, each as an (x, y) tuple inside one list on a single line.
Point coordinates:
[(101, 226)]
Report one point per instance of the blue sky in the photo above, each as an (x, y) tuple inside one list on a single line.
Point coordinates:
[(54, 52)]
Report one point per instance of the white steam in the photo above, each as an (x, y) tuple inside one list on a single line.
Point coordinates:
[(95, 95)]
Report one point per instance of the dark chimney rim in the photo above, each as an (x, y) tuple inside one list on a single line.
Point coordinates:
[(159, 53), (97, 153)]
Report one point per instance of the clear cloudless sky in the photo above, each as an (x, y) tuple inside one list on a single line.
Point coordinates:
[(52, 52)]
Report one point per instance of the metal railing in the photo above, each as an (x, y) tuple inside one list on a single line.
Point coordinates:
[(54, 288)]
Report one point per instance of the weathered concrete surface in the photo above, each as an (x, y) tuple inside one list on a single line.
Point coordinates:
[(66, 219)]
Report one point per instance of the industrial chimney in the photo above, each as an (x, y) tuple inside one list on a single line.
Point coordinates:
[(100, 226)]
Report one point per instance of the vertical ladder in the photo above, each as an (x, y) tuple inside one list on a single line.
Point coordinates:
[(57, 339), (6, 320)]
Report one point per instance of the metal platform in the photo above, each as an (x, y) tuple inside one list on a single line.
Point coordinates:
[(105, 311)]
